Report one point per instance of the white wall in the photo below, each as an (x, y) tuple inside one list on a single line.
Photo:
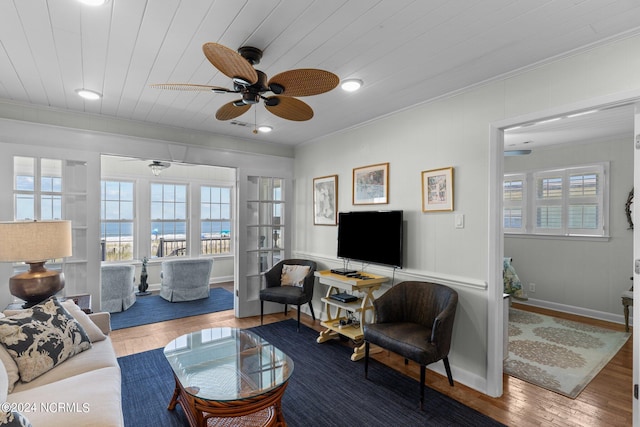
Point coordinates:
[(583, 276), (456, 132)]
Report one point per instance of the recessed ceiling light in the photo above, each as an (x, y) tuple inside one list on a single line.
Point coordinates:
[(89, 94), (351, 85), (93, 2), (265, 129)]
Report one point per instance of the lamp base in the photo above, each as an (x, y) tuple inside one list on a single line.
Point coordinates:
[(36, 285)]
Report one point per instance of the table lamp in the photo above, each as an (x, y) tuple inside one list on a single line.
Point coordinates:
[(35, 242)]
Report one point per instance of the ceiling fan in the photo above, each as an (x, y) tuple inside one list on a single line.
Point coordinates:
[(158, 166), (278, 93)]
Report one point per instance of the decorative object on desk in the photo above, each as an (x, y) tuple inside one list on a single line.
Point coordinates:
[(35, 242), (558, 354), (628, 209), (371, 184), (437, 190), (325, 200), (143, 286), (339, 396)]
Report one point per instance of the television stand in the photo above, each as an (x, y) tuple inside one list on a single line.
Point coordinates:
[(337, 322)]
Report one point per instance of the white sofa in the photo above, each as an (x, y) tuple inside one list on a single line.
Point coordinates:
[(83, 390)]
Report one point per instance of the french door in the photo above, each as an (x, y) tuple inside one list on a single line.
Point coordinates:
[(263, 237)]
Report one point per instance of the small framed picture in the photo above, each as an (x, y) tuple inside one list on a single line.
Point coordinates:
[(371, 184), (325, 200), (437, 190)]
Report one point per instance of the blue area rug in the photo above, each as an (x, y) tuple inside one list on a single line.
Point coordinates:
[(326, 389), (153, 309)]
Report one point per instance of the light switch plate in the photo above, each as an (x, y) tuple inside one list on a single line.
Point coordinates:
[(459, 220)]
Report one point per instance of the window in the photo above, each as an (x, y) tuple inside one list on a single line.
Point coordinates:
[(117, 219), (567, 202), (215, 220), (513, 194), (37, 188), (168, 220)]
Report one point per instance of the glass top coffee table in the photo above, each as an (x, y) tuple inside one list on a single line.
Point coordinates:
[(228, 376)]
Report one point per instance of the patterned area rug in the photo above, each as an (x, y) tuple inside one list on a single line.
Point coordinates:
[(557, 354)]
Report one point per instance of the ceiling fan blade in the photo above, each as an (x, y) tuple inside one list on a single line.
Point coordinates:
[(289, 108), (230, 111), (305, 82), (229, 62), (190, 87)]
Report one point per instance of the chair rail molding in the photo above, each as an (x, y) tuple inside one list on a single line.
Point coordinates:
[(401, 274)]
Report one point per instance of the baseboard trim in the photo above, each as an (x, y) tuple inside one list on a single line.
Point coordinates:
[(578, 311)]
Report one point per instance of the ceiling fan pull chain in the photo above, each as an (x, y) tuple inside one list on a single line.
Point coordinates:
[(255, 121)]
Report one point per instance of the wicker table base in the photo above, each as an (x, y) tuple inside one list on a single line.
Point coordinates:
[(259, 411)]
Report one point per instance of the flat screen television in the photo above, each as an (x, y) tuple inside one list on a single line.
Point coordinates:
[(371, 236)]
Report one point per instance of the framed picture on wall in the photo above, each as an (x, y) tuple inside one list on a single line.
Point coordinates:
[(371, 184), (325, 200), (437, 190)]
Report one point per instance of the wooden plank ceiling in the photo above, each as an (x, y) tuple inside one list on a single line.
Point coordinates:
[(406, 52)]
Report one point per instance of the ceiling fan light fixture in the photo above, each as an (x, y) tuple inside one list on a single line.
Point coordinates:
[(265, 129), (157, 167), (351, 85), (240, 81), (89, 94), (250, 98)]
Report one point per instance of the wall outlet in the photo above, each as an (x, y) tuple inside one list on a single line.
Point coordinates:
[(532, 288)]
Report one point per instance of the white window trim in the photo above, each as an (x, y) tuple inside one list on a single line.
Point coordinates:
[(529, 209)]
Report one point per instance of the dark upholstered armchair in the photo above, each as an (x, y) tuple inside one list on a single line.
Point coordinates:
[(298, 293), (414, 320)]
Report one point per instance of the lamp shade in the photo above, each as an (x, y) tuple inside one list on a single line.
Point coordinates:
[(32, 241)]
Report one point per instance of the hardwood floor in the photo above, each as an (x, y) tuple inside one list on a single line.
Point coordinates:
[(606, 401)]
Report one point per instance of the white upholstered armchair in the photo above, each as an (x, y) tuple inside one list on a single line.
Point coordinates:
[(117, 287), (185, 279)]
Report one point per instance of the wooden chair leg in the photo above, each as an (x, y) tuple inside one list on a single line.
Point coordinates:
[(285, 309), (447, 367), (261, 311), (422, 379), (366, 359), (298, 318)]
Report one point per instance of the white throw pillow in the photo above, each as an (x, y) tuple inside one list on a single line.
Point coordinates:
[(93, 331), (41, 337), (293, 275)]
